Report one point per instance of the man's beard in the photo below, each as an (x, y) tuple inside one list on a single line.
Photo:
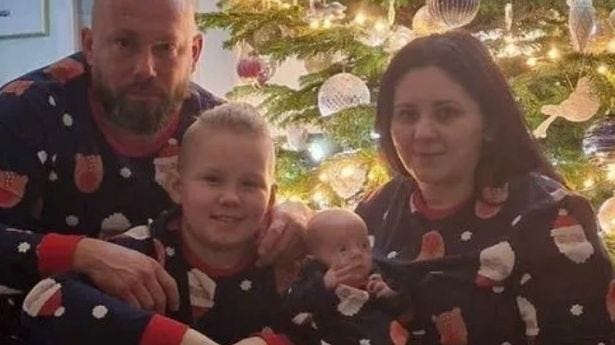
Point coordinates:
[(139, 117)]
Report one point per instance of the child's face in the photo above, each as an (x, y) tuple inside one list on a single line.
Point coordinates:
[(345, 243), (225, 187)]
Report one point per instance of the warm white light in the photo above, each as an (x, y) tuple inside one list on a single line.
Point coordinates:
[(554, 54), (348, 171), (314, 24), (381, 25), (532, 61), (589, 182), (602, 69), (326, 23), (360, 18)]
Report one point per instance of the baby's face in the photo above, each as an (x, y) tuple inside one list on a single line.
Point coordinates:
[(345, 244)]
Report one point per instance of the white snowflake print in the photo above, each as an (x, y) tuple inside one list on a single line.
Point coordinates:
[(466, 236), (42, 156), (576, 310), (67, 120), (498, 289), (125, 173), (23, 247), (72, 220), (392, 255), (115, 224), (170, 251), (364, 342), (525, 278), (516, 220), (246, 285), (419, 332), (59, 312), (52, 101), (53, 177), (99, 311)]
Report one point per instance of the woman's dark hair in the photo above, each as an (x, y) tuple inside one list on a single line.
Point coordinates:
[(510, 150)]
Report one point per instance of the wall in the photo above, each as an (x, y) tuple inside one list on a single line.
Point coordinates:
[(20, 55)]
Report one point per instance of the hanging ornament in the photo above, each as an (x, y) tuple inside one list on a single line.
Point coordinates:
[(599, 142), (340, 92), (254, 69), (581, 23), (606, 215), (318, 62), (376, 35), (322, 14), (580, 106), (399, 38), (297, 137), (508, 16), (423, 23), (453, 13), (264, 35), (345, 174), (612, 19)]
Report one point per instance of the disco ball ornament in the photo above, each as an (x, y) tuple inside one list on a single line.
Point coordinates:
[(423, 23), (606, 215), (453, 13), (599, 142), (342, 91), (581, 23)]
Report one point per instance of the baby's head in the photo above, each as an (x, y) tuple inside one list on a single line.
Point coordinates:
[(225, 178), (338, 237)]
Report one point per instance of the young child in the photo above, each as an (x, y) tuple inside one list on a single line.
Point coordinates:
[(337, 293), (224, 189)]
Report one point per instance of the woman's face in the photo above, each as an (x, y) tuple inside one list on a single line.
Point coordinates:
[(436, 127)]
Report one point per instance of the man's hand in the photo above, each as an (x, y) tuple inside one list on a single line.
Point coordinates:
[(282, 242), (127, 274)]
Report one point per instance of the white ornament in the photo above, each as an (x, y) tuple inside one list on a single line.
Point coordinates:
[(606, 215), (423, 23), (297, 137), (581, 23), (99, 311), (453, 13), (347, 179), (340, 92), (399, 38), (580, 106)]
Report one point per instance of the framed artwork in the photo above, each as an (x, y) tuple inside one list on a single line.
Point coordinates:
[(23, 18)]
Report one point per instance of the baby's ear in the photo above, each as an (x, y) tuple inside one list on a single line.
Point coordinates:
[(174, 186)]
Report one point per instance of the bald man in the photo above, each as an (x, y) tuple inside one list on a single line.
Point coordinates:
[(86, 145)]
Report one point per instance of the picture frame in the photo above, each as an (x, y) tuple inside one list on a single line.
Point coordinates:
[(24, 18)]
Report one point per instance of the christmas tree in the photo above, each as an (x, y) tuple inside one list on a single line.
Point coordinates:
[(559, 57)]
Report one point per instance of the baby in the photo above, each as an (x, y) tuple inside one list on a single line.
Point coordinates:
[(338, 292)]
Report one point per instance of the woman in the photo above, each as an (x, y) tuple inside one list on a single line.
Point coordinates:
[(494, 249)]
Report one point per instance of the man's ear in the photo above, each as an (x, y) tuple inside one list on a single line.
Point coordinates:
[(174, 186), (197, 47)]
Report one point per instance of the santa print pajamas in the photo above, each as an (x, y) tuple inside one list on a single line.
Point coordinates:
[(59, 173), (522, 264), (227, 306)]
